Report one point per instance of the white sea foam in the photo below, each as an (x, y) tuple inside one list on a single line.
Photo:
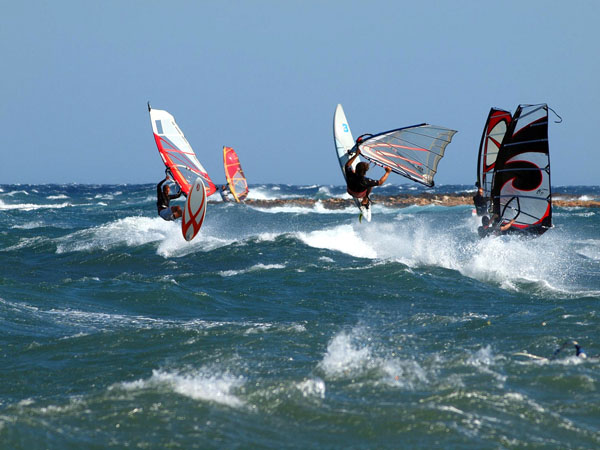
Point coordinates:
[(137, 231), (26, 243), (267, 237), (586, 198), (589, 248), (109, 196), (57, 197), (571, 212), (507, 260), (92, 321), (345, 354), (351, 354), (31, 206), (313, 387), (264, 193), (343, 238), (484, 360), (206, 384), (316, 208), (29, 225), (173, 244), (104, 196), (130, 231), (254, 268), (482, 357), (326, 259), (323, 191)]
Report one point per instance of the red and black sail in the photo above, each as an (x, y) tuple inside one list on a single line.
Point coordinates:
[(521, 184), (494, 131)]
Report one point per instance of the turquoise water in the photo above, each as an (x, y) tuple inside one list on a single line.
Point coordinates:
[(291, 327)]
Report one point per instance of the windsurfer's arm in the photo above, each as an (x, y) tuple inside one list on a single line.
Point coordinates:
[(384, 177), (351, 160), (507, 225), (159, 186), (174, 196)]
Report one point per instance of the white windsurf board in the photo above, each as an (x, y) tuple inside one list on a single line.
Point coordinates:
[(344, 142), (194, 211)]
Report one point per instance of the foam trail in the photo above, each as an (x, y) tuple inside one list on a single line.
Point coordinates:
[(344, 238), (57, 197), (31, 206), (264, 193), (415, 242), (316, 208), (351, 354), (344, 356), (137, 231), (204, 385), (254, 268)]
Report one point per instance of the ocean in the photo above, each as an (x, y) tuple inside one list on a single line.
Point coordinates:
[(292, 327)]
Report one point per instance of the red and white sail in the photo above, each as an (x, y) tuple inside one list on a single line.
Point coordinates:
[(176, 152)]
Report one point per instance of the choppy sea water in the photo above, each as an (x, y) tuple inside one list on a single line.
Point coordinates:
[(292, 327)]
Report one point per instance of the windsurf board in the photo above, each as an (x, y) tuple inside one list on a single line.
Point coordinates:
[(344, 142), (194, 211)]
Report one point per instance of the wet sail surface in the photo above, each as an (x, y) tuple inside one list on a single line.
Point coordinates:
[(521, 183), (413, 152)]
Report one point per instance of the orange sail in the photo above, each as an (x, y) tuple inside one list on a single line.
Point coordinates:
[(235, 175)]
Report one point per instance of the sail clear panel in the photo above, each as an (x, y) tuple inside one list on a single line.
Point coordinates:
[(413, 152)]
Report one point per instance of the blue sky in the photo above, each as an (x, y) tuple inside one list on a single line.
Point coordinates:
[(264, 77)]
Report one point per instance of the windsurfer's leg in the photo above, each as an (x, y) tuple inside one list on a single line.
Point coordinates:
[(166, 214), (358, 195), (366, 200), (177, 213)]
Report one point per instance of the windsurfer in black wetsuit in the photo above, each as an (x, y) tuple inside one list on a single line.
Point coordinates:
[(480, 202), (163, 198), (358, 185)]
